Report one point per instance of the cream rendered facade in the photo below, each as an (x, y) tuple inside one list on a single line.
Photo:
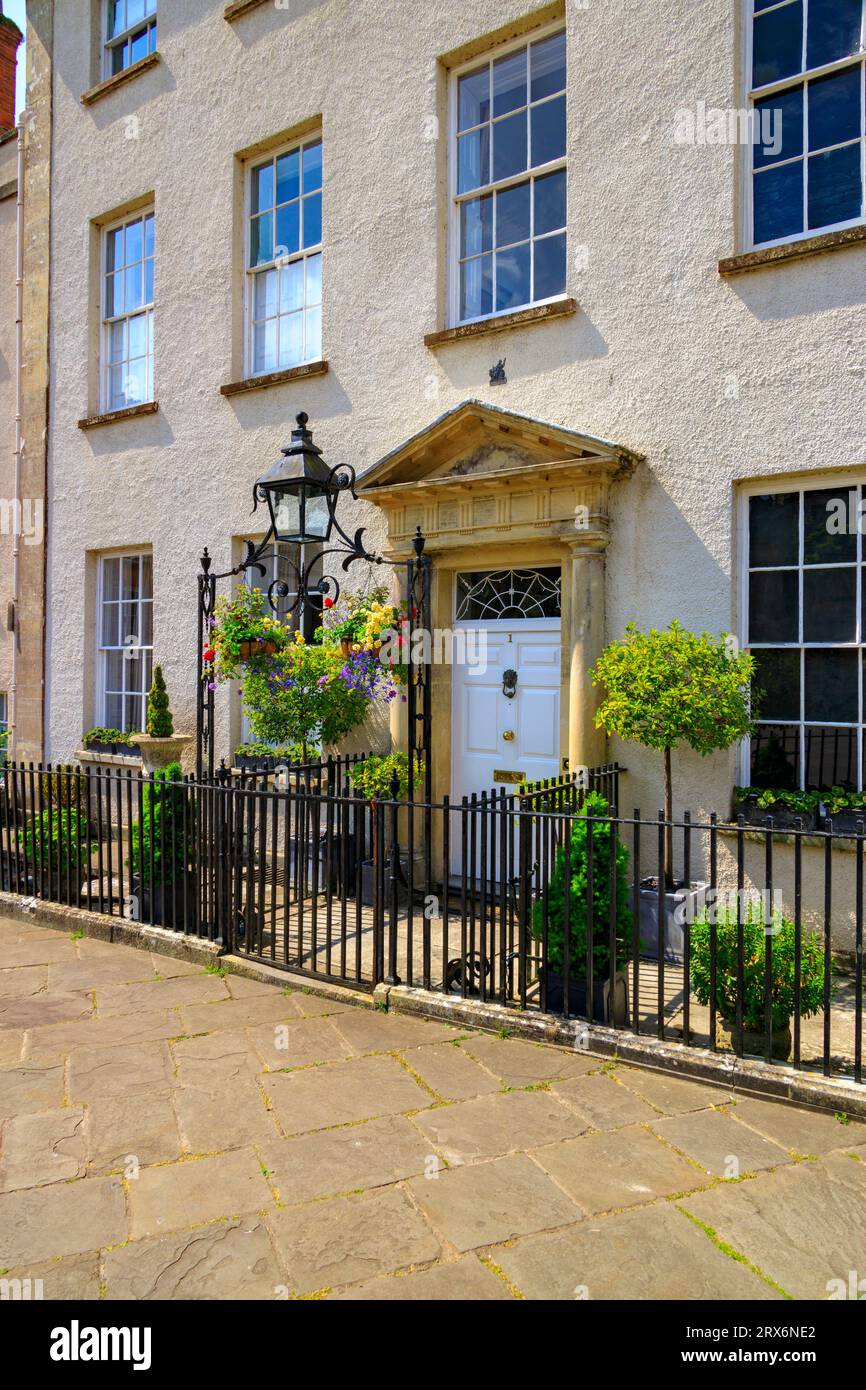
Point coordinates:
[(655, 392)]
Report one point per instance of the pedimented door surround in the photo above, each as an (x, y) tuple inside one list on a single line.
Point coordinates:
[(493, 489)]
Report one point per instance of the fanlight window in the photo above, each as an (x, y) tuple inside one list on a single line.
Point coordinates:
[(487, 595)]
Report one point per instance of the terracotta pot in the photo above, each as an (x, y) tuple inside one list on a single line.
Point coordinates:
[(250, 649), (346, 646)]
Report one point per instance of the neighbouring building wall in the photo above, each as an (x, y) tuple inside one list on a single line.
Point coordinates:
[(10, 37), (714, 380)]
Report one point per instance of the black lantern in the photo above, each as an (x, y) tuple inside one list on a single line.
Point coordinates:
[(300, 491)]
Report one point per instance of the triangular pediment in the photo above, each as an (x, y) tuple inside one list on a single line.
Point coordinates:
[(475, 441)]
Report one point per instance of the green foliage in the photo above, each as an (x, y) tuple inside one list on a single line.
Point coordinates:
[(670, 687), (372, 777), (159, 721), (754, 956), (603, 837), (300, 698), (840, 799), (67, 834), (162, 826), (241, 617), (767, 798), (106, 737), (285, 752)]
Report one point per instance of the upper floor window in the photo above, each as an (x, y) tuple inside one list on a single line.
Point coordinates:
[(808, 93), (130, 33), (284, 260), (508, 179), (127, 312)]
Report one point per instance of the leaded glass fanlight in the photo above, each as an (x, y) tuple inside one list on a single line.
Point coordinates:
[(490, 595)]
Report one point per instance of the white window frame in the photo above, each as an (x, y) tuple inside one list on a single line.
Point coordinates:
[(148, 22), (140, 649), (775, 484), (106, 323), (804, 77), (455, 199), (303, 254)]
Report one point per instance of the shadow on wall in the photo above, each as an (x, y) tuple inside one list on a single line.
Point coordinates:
[(538, 349), (813, 285)]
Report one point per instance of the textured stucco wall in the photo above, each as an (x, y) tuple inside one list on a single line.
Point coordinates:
[(646, 362)]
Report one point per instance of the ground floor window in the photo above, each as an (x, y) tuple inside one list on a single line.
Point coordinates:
[(124, 641), (806, 569)]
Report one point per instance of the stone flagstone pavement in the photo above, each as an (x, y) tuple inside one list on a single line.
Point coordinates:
[(171, 1133)]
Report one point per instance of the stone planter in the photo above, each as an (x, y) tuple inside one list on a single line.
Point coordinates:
[(754, 1040), (681, 905), (604, 1010), (157, 753)]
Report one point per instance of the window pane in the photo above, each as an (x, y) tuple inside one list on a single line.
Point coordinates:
[(547, 67), (138, 47), (138, 336), (312, 159), (834, 30), (473, 160), (117, 342), (512, 215), (149, 234), (314, 280), (476, 288), (148, 282), (119, 58), (146, 625), (313, 343), (291, 340), (777, 677), (116, 17), (835, 186), (129, 577), (778, 195), (313, 220), (265, 346), (774, 522), (114, 249), (114, 670), (826, 516), (117, 388), (778, 127), (549, 202), (114, 711), (110, 615), (509, 146), (831, 686), (775, 757), (132, 714), (548, 131), (266, 295), (288, 234), (476, 225), (512, 277), (834, 109), (134, 243), (134, 11), (289, 176), (549, 266), (291, 286), (774, 606), (111, 578), (473, 98), (830, 605), (133, 286), (831, 758), (129, 625), (778, 44), (146, 580), (509, 83), (262, 239), (263, 188), (113, 295), (136, 382)]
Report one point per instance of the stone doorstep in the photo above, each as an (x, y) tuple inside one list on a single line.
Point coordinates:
[(741, 1076)]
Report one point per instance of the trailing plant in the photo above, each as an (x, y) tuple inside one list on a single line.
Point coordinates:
[(373, 777), (162, 827), (301, 698), (159, 723), (67, 834), (105, 737), (240, 618), (754, 965), (605, 842), (670, 687)]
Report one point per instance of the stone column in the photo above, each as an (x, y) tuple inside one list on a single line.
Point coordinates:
[(585, 639)]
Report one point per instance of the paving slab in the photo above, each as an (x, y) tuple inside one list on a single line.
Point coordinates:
[(349, 1239), (239, 987), (492, 1125), (518, 1063), (450, 1072), (37, 1010), (73, 1279), (37, 950), (371, 1030), (318, 1006), (720, 1144), (335, 1161), (65, 1219), (173, 1196), (466, 1280), (485, 1203), (298, 1043), (107, 969), (228, 1260), (30, 1086), (61, 1039), (804, 1131), (653, 1253), (225, 1115), (130, 1070), (26, 979), (160, 994), (342, 1093), (237, 1013), (617, 1169), (213, 1057), (11, 1045), (123, 1130), (43, 1148), (672, 1094), (170, 967), (804, 1225), (604, 1102)]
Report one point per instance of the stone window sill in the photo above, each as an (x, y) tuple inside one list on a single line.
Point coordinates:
[(792, 251), (110, 417), (87, 755), (111, 84), (537, 313), (260, 383), (241, 7)]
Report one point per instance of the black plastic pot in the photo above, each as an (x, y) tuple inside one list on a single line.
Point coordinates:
[(165, 908), (93, 746), (126, 750), (845, 822), (602, 1012), (783, 817)]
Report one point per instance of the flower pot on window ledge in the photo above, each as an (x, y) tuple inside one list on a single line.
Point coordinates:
[(157, 753)]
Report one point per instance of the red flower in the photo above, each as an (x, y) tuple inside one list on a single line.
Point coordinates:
[(208, 654), (329, 603)]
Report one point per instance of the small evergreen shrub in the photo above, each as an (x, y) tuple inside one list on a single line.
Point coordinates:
[(162, 825), (159, 721), (754, 956)]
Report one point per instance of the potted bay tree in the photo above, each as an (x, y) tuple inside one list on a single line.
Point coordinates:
[(664, 689)]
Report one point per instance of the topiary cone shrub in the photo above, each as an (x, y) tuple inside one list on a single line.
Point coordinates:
[(159, 721)]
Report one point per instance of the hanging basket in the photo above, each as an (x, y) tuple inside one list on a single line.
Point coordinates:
[(346, 646), (251, 649)]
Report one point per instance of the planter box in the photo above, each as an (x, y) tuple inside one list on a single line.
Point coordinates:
[(682, 898), (604, 1010), (782, 816), (754, 1041), (125, 750), (844, 822), (367, 883)]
